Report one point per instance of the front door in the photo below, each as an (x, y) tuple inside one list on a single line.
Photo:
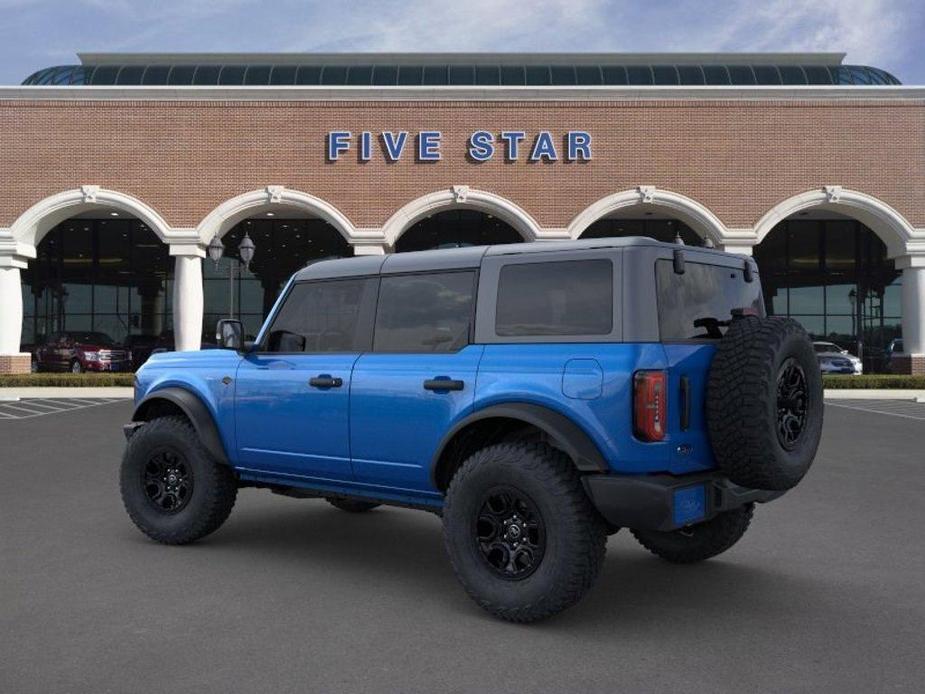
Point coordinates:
[(292, 392), (418, 379)]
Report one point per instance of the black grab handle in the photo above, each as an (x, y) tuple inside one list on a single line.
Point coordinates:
[(325, 381), (443, 384)]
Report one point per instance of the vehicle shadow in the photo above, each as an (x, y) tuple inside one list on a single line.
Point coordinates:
[(404, 551)]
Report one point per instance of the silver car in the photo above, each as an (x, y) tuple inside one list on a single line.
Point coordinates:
[(836, 360)]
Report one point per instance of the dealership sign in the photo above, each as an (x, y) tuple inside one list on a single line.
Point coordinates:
[(482, 145)]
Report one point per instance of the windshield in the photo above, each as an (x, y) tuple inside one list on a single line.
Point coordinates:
[(698, 304), (827, 347)]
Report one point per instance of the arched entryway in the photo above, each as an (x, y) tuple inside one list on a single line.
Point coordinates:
[(653, 224), (832, 273), (102, 273), (285, 239), (456, 228)]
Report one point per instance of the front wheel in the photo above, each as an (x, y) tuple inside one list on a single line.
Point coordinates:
[(522, 536), (698, 542), (172, 489)]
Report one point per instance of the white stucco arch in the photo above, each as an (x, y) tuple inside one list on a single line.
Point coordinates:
[(892, 228), (697, 216), (460, 198), (226, 215), (38, 220)]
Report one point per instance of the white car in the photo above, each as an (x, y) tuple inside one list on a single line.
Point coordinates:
[(836, 360)]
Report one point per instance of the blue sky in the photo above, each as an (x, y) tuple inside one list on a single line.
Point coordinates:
[(884, 33)]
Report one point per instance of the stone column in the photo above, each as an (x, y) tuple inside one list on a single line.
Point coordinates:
[(12, 359), (187, 296), (912, 360)]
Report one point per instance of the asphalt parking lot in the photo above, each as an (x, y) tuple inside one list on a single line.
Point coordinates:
[(825, 593)]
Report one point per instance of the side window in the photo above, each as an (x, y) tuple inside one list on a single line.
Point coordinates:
[(325, 316), (566, 297), (424, 312)]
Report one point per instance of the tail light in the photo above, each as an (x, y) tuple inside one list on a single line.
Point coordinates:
[(649, 405)]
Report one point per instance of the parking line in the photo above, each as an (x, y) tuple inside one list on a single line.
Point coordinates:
[(23, 409), (888, 413)]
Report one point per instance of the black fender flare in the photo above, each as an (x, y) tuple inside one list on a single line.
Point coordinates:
[(571, 438), (195, 410)]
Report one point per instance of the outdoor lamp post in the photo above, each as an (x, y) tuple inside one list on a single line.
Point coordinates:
[(246, 252)]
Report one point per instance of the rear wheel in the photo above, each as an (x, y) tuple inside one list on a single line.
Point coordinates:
[(172, 489), (351, 505), (698, 542), (522, 536)]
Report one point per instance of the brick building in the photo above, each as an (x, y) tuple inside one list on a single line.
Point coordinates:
[(118, 174)]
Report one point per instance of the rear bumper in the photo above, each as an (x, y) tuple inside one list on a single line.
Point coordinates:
[(667, 502)]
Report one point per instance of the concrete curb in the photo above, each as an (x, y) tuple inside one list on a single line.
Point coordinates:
[(13, 394), (872, 394)]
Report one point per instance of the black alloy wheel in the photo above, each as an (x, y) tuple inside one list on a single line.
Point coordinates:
[(792, 395), (510, 533), (167, 481)]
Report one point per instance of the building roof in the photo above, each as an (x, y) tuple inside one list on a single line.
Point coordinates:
[(459, 69)]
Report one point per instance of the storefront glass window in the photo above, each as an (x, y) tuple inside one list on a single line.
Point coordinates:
[(456, 228), (833, 276), (106, 275)]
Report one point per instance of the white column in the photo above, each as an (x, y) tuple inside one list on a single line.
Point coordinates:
[(10, 309), (187, 296), (913, 303), (365, 248)]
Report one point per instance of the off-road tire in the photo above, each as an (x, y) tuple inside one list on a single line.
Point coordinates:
[(700, 541), (214, 487), (575, 535), (744, 403), (351, 505)]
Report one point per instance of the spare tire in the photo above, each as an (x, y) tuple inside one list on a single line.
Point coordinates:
[(764, 403)]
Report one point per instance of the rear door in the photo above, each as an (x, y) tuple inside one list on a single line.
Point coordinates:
[(419, 377), (292, 393)]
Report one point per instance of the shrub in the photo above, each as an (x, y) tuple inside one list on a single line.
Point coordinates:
[(66, 380), (870, 381)]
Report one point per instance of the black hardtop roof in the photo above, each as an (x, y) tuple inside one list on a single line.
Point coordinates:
[(466, 257)]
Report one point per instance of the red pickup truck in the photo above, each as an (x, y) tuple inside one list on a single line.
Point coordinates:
[(79, 351)]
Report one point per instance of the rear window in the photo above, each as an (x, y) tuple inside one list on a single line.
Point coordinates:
[(567, 297), (705, 295)]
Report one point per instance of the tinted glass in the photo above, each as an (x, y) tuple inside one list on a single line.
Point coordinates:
[(639, 74), (562, 74), (334, 74), (588, 74), (182, 74), (360, 75), (323, 317), (434, 74), (258, 74), (791, 74), (702, 292), (156, 74), (424, 312), (385, 75), (308, 74), (207, 74), (462, 74), (690, 74), (512, 74), (571, 297), (232, 74), (487, 74), (715, 74), (410, 74), (537, 74), (106, 74), (614, 74), (665, 74), (741, 74), (767, 74), (283, 74), (130, 74)]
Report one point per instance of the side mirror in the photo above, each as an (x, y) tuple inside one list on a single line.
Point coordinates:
[(229, 334)]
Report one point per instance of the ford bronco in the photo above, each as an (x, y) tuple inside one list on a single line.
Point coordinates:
[(536, 396)]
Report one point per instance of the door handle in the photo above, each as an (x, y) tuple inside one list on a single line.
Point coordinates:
[(443, 384), (325, 381)]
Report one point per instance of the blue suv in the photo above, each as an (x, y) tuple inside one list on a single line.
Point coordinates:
[(537, 396)]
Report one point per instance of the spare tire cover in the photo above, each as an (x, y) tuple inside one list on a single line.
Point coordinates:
[(764, 403)]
